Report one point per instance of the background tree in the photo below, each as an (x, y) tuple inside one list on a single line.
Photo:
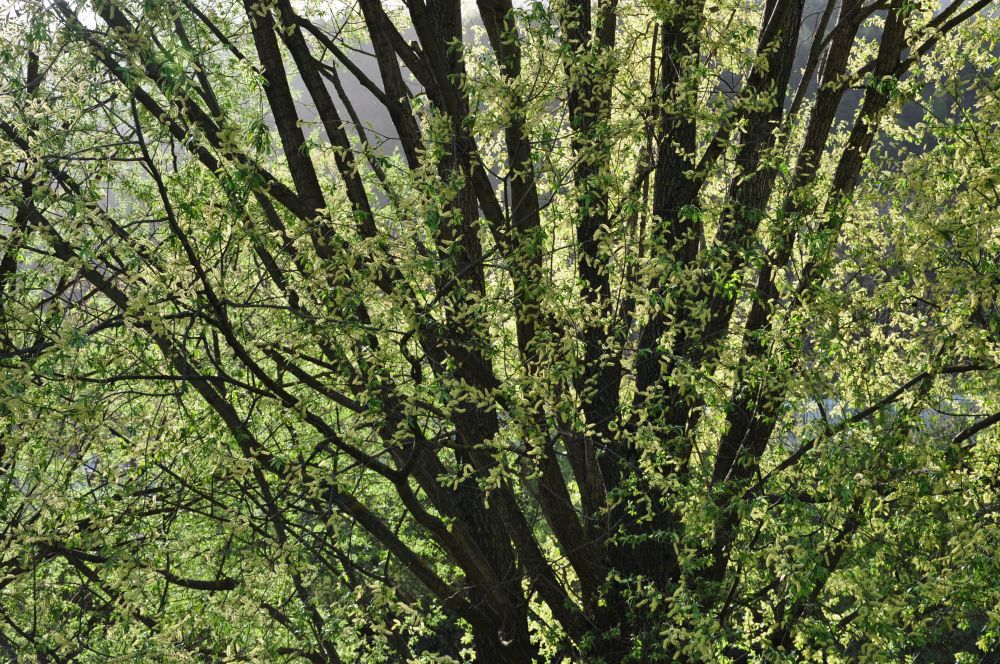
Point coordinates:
[(627, 331)]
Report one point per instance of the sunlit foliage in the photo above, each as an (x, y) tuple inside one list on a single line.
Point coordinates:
[(625, 331)]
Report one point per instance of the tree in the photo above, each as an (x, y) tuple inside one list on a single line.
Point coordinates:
[(627, 331)]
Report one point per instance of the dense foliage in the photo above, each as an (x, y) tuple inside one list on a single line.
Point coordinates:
[(646, 330)]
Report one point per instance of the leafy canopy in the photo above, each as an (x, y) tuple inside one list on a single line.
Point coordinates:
[(565, 331)]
